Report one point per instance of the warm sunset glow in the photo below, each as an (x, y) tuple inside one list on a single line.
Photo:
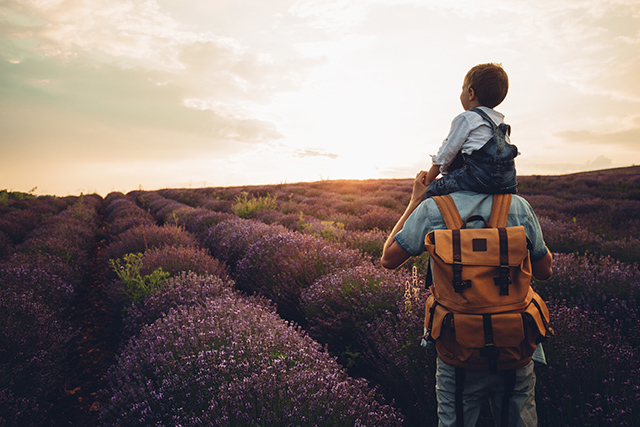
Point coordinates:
[(113, 95)]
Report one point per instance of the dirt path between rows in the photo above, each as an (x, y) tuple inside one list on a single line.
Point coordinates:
[(94, 351)]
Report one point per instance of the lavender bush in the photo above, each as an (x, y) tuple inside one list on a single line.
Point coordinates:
[(377, 217), (121, 214), (33, 358), (572, 237), (592, 379), (608, 288), (229, 240), (281, 266), (217, 205), (141, 238), (167, 214), (371, 319), (70, 248), (145, 198), (160, 203), (185, 196), (6, 246), (368, 242), (341, 303), (185, 289), (230, 362), (200, 220), (36, 283), (174, 260)]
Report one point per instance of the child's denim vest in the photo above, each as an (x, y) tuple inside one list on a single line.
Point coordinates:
[(493, 165)]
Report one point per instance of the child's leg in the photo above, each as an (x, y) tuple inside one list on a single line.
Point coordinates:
[(458, 180)]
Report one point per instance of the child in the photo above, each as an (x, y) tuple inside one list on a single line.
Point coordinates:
[(477, 155)]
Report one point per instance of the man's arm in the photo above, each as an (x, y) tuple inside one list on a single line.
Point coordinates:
[(542, 268), (393, 256)]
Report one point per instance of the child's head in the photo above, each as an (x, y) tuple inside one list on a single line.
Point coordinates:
[(489, 82)]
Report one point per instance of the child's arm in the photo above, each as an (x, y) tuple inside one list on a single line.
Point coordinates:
[(431, 175)]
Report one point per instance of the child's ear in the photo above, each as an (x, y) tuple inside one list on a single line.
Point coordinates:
[(472, 94)]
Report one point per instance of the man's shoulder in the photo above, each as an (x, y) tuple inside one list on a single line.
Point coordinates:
[(471, 202), (465, 194)]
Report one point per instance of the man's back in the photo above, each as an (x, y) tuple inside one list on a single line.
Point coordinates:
[(460, 396)]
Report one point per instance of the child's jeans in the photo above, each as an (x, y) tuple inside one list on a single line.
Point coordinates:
[(463, 179)]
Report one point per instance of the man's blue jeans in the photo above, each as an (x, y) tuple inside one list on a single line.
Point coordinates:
[(480, 385)]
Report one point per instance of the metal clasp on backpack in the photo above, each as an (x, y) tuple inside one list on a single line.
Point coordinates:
[(504, 280), (458, 284)]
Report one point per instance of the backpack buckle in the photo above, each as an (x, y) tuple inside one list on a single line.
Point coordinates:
[(503, 280), (458, 284)]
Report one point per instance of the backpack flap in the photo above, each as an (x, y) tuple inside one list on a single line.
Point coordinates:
[(507, 330), (474, 270), (490, 342), (480, 246)]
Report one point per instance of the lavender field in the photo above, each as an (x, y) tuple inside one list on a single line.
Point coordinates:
[(267, 306)]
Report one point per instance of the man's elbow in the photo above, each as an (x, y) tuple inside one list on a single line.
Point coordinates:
[(543, 268), (393, 256), (387, 263), (543, 275)]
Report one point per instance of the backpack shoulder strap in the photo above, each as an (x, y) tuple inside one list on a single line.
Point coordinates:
[(449, 211), (500, 210)]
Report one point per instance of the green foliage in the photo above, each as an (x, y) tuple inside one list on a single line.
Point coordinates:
[(135, 286), (245, 205), (328, 230), (6, 196)]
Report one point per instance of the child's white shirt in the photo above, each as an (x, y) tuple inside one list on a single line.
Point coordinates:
[(469, 132)]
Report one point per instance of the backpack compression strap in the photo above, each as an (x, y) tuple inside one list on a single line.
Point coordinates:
[(454, 222), (498, 219), (500, 210)]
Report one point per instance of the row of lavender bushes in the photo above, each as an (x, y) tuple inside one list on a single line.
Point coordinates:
[(594, 299), (198, 352), (39, 280), (21, 212)]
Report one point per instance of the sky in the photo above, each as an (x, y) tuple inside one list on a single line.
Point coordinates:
[(118, 95)]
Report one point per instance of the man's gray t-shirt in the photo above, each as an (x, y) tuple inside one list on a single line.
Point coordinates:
[(427, 218)]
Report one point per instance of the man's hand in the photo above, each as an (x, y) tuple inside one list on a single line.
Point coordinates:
[(393, 255), (543, 268), (420, 185)]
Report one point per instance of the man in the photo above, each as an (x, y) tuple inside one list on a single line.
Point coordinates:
[(408, 239)]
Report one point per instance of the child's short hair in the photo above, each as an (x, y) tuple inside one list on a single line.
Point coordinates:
[(489, 82)]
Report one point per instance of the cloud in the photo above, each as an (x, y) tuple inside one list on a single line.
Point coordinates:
[(119, 97), (120, 65), (600, 162), (316, 153)]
